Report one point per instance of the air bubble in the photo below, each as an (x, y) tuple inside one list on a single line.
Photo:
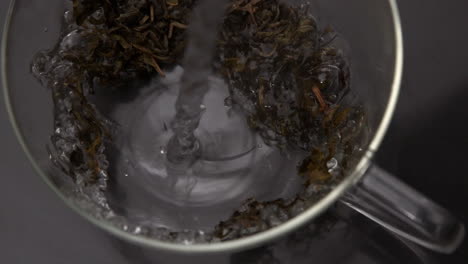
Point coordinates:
[(332, 164), (137, 230), (163, 150)]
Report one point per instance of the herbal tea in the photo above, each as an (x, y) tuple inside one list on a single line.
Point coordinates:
[(199, 120)]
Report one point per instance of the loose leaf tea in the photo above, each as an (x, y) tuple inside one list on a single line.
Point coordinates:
[(276, 56), (281, 68), (277, 59), (128, 39)]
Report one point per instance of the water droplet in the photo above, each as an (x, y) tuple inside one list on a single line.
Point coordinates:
[(203, 107), (162, 150), (137, 230), (351, 123), (332, 164), (126, 175), (46, 29), (322, 78), (68, 17)]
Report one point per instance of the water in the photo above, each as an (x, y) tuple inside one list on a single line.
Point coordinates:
[(198, 59), (234, 163)]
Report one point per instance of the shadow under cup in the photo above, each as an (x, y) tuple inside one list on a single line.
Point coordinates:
[(367, 34)]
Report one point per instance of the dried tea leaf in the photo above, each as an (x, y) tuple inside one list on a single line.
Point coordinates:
[(172, 2)]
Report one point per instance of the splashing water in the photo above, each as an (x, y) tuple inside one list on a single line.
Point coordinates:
[(202, 34)]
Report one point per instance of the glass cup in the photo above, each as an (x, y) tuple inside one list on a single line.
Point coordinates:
[(374, 46)]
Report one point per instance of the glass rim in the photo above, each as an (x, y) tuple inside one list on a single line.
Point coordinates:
[(241, 243)]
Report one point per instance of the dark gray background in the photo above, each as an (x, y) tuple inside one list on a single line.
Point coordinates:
[(426, 146)]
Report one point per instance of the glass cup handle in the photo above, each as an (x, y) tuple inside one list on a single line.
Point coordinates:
[(404, 211)]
